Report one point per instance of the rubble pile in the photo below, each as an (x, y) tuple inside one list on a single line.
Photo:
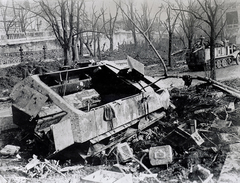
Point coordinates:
[(189, 144), (10, 76)]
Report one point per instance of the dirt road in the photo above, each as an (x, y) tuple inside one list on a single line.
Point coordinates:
[(222, 74), (227, 73)]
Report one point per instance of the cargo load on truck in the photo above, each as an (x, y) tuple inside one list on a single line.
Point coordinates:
[(75, 109)]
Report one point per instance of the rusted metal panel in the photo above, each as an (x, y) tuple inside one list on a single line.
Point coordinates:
[(29, 100), (126, 110), (62, 134), (134, 64)]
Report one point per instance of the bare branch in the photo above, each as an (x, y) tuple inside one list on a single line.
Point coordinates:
[(150, 43)]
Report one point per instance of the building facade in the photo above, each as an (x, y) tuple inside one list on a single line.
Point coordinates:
[(232, 20)]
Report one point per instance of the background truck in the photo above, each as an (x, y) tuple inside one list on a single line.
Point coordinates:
[(199, 56)]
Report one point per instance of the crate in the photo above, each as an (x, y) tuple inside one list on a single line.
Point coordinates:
[(104, 176), (160, 155)]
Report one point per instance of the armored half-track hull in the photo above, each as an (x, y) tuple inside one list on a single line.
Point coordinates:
[(87, 105)]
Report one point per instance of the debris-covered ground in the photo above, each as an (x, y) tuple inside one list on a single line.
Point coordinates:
[(189, 144)]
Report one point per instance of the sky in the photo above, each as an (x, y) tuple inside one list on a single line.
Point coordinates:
[(110, 4)]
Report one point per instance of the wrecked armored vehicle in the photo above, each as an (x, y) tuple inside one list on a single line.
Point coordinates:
[(78, 108)]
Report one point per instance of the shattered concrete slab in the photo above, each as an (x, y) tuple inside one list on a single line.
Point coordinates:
[(104, 176), (2, 180), (231, 168)]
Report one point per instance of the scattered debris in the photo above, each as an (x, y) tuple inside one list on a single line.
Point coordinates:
[(201, 174), (4, 99), (189, 134), (10, 150), (143, 176), (71, 168), (32, 163), (36, 168), (231, 107), (104, 176)]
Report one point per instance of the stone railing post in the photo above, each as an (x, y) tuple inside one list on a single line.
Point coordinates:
[(44, 52), (21, 53)]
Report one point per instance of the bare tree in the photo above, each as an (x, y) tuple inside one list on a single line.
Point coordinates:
[(96, 27), (109, 25), (170, 24), (9, 19), (87, 25), (24, 17), (160, 27), (60, 16), (188, 23), (146, 38), (145, 20), (129, 25), (77, 44), (211, 12)]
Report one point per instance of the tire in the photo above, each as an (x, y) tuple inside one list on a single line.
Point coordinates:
[(218, 63), (229, 60), (224, 62), (238, 59)]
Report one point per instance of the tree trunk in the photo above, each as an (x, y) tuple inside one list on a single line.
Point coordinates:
[(134, 36), (76, 49), (94, 44), (98, 46), (190, 44), (170, 50), (67, 60), (89, 49), (73, 49), (111, 43), (212, 55), (81, 45)]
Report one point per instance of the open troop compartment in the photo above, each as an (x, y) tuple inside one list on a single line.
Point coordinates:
[(81, 107)]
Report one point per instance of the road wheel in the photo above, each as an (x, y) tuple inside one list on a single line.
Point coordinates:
[(238, 59), (224, 62), (229, 60), (218, 63)]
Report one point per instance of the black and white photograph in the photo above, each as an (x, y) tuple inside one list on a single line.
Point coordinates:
[(119, 91)]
